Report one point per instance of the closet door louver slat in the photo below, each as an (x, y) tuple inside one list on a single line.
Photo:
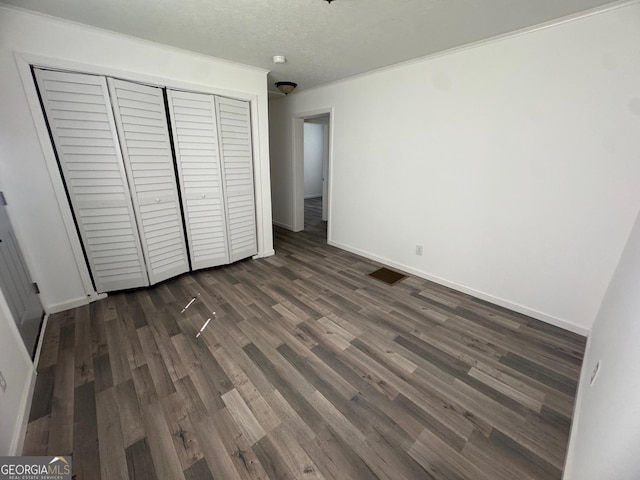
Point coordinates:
[(84, 135), (234, 132), (144, 134), (193, 122)]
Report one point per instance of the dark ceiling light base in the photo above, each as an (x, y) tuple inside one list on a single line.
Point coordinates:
[(286, 87), (328, 1)]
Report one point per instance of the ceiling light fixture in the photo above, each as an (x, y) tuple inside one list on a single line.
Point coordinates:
[(279, 59), (328, 1), (286, 87)]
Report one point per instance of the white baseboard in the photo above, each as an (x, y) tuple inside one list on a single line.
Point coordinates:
[(76, 302), (558, 322), (268, 253), (43, 328), (283, 225)]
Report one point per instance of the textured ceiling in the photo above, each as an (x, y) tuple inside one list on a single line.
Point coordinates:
[(322, 42)]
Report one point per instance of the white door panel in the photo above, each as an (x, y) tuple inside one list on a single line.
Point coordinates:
[(234, 131), (81, 123), (17, 287), (193, 121), (142, 126)]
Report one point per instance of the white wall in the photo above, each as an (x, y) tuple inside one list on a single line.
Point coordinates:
[(313, 156), (19, 374), (281, 168), (37, 218), (515, 163), (605, 437)]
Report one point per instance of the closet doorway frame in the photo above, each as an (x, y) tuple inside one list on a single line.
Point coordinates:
[(26, 61)]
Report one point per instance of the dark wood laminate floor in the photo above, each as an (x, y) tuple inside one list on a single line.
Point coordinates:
[(308, 369)]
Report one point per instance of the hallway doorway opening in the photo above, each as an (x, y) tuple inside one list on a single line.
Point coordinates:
[(312, 180)]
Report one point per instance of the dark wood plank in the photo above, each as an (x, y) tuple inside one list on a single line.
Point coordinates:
[(145, 389), (272, 461), (337, 459), (36, 442), (549, 377), (129, 412), (113, 461), (61, 426), (118, 358), (43, 394), (98, 331), (157, 368), (86, 455), (83, 347), (160, 440), (190, 398), (49, 353), (297, 401), (216, 454), (139, 461), (102, 373), (527, 459), (198, 471), (185, 441)]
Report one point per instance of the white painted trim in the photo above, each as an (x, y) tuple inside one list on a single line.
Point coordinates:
[(22, 419), (298, 174), (567, 471), (284, 225), (43, 329), (51, 162), (326, 146), (20, 433), (329, 199), (20, 425), (298, 166), (558, 322), (107, 71), (4, 306), (261, 178), (78, 302), (269, 253)]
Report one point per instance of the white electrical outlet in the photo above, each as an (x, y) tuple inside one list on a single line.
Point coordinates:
[(418, 249), (3, 383), (594, 374)]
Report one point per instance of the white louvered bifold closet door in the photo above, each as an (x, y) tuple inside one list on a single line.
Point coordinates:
[(144, 135), (234, 134), (81, 124), (195, 137)]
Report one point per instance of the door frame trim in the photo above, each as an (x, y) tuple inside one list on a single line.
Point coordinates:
[(298, 166), (24, 67), (22, 418)]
